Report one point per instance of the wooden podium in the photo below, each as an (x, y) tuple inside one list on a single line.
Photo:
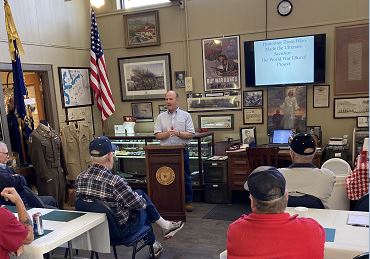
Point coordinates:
[(165, 180)]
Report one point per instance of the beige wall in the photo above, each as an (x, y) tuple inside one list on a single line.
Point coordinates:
[(52, 32), (215, 18)]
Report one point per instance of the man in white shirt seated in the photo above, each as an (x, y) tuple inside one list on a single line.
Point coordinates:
[(303, 177)]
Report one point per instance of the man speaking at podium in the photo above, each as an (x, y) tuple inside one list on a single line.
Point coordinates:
[(175, 127)]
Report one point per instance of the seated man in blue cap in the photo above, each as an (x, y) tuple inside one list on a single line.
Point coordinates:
[(302, 176), (132, 208), (269, 232)]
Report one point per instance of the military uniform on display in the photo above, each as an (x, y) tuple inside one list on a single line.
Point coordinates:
[(46, 160), (75, 143)]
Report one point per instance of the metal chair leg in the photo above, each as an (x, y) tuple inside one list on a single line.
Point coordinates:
[(133, 252), (66, 252), (151, 248), (92, 255), (115, 252)]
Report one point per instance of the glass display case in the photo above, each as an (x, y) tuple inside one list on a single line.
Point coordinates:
[(130, 156)]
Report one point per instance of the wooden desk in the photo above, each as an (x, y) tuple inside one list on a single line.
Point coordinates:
[(239, 168)]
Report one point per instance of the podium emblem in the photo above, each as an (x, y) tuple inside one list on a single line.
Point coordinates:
[(165, 175)]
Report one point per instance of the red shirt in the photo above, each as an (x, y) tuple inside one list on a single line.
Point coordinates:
[(12, 233), (357, 183), (275, 236)]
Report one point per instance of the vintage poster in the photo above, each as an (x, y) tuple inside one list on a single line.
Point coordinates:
[(221, 63)]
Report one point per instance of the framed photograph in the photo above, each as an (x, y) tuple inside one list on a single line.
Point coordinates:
[(316, 132), (248, 136), (221, 63), (253, 115), (321, 95), (83, 114), (162, 108), (216, 122), (351, 107), (142, 111), (217, 101), (75, 86), (362, 122), (287, 108), (351, 59), (145, 77), (142, 29), (180, 79), (252, 98)]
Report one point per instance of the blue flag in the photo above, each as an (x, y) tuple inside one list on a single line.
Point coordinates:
[(19, 86)]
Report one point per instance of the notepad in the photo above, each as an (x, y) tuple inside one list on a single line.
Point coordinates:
[(358, 219), (329, 234)]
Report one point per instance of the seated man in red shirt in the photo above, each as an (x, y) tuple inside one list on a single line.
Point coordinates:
[(13, 233), (269, 232)]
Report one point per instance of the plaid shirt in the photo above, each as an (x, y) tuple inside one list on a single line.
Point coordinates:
[(357, 183), (98, 182)]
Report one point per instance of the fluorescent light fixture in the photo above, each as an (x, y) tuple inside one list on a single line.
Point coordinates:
[(139, 3)]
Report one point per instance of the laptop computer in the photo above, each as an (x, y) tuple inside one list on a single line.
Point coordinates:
[(280, 138)]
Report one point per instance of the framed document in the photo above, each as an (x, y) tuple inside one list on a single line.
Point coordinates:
[(321, 95)]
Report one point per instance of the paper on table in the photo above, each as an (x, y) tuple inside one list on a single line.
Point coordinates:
[(357, 219)]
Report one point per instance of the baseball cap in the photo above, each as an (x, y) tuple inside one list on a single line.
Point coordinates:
[(265, 183), (303, 144), (101, 146)]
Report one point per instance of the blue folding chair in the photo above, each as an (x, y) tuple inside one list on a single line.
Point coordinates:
[(306, 200), (144, 235)]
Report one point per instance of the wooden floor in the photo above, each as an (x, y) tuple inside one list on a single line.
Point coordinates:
[(200, 238)]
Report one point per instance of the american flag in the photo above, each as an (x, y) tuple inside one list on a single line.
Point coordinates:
[(98, 77)]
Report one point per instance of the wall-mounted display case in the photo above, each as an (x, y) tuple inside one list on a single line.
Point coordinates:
[(130, 156)]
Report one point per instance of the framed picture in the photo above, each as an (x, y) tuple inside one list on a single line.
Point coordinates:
[(180, 79), (162, 108), (216, 122), (221, 63), (253, 98), (142, 111), (142, 29), (75, 86), (351, 107), (228, 100), (321, 95), (248, 136), (145, 77), (316, 132), (83, 115), (362, 122), (253, 115), (351, 59), (287, 108)]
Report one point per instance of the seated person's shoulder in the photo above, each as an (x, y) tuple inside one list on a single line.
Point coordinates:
[(5, 214)]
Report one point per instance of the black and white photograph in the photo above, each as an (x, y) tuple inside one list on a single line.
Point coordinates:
[(142, 111), (216, 122), (145, 77), (248, 136), (228, 100), (252, 98), (180, 79), (362, 122), (351, 107)]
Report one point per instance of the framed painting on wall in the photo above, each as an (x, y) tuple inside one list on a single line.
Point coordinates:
[(221, 63), (75, 86), (142, 111), (287, 108), (351, 59), (351, 107), (216, 122), (142, 29), (145, 77)]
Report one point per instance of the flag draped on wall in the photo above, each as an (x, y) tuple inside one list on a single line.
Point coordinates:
[(98, 77), (15, 47)]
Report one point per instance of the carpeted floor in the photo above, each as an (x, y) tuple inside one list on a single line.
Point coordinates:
[(229, 212)]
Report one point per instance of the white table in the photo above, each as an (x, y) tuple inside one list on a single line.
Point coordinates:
[(87, 232), (349, 241)]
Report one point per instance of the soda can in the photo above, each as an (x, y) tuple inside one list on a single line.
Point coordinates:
[(38, 229)]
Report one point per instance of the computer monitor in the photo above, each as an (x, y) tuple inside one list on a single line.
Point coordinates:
[(281, 137)]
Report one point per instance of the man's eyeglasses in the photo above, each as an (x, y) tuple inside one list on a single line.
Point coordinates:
[(6, 153)]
